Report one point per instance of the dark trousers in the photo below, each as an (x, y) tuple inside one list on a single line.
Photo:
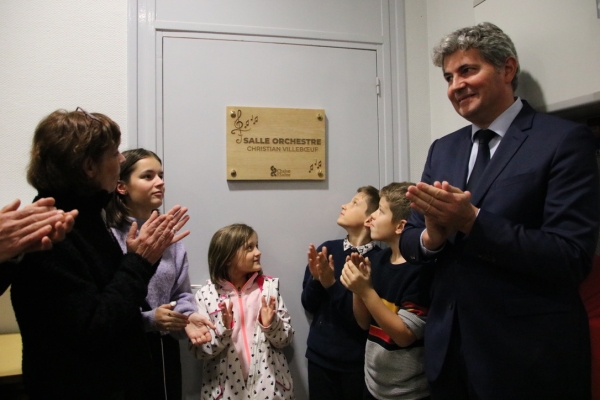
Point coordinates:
[(453, 382), (327, 384), (166, 368)]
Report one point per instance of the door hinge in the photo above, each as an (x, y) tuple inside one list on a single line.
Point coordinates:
[(377, 85)]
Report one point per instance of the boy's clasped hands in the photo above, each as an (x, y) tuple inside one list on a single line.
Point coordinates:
[(356, 275)]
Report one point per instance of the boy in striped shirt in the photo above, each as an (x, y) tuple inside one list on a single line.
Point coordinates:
[(390, 299)]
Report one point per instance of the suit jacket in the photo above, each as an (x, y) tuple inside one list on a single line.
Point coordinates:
[(511, 285)]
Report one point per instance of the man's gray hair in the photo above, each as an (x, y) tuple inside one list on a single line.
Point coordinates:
[(493, 44)]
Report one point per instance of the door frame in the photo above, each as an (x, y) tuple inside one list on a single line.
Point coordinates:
[(146, 33)]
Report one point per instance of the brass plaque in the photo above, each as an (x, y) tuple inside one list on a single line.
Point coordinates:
[(275, 143)]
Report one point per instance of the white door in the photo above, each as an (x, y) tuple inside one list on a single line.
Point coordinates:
[(200, 78)]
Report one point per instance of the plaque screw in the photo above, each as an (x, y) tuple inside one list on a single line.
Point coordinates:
[(320, 117), (320, 173), (232, 114), (233, 173)]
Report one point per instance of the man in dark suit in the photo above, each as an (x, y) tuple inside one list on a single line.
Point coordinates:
[(508, 222)]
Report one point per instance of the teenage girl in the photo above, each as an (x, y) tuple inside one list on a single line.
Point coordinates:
[(244, 359), (170, 312)]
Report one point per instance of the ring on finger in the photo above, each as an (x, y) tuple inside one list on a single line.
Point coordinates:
[(431, 200), (428, 207)]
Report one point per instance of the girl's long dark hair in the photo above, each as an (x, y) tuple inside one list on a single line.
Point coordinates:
[(117, 211)]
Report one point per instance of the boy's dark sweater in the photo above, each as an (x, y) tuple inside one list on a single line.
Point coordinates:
[(335, 341)]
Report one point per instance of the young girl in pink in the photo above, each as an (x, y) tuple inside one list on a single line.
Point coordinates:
[(244, 359)]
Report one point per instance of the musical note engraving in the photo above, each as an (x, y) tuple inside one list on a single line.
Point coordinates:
[(316, 165), (241, 126)]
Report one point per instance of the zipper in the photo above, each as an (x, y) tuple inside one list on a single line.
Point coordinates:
[(243, 321), (253, 366)]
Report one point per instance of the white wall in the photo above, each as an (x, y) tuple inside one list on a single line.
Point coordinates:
[(55, 55), (417, 85), (442, 17), (74, 53), (558, 43)]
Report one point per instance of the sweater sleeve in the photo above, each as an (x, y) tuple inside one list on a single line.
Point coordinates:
[(207, 304), (341, 300), (413, 307), (182, 290), (340, 297), (7, 271), (312, 293), (148, 317), (73, 303)]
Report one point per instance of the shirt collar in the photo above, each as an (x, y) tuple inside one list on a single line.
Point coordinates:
[(501, 124), (362, 250)]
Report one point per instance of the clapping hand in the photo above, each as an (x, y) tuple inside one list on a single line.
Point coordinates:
[(267, 311), (33, 228), (356, 275), (157, 233), (226, 313), (169, 320), (321, 266), (198, 329)]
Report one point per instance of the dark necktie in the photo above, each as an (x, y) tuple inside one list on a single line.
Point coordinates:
[(483, 157)]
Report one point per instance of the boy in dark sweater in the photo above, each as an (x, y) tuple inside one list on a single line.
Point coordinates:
[(390, 301), (336, 344)]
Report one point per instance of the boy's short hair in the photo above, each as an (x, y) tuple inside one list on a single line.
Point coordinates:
[(395, 193), (371, 198)]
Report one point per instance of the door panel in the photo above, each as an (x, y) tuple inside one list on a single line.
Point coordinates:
[(200, 78)]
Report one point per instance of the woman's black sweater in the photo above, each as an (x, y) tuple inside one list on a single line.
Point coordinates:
[(78, 309)]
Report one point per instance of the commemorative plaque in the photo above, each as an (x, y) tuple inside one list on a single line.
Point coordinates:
[(275, 143)]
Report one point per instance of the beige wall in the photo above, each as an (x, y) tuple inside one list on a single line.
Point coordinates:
[(55, 55)]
